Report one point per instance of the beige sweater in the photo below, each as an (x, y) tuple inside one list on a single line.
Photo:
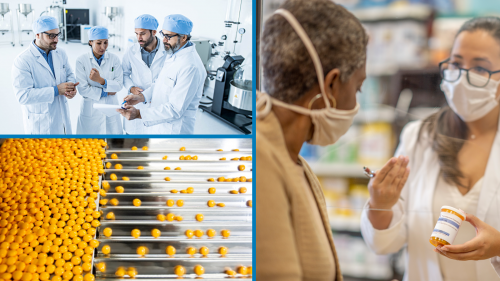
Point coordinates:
[(294, 240)]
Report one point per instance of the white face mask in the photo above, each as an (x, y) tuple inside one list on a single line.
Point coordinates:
[(329, 123), (470, 103)]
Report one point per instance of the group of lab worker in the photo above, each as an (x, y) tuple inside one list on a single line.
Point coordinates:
[(164, 82)]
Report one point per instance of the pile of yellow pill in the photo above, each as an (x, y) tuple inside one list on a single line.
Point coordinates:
[(48, 208)]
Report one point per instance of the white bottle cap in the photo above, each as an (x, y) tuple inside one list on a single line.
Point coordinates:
[(461, 212)]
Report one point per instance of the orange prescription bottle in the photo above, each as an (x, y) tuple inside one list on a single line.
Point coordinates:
[(447, 226)]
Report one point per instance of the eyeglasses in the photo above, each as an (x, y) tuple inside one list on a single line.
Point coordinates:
[(451, 72), (168, 36), (53, 35)]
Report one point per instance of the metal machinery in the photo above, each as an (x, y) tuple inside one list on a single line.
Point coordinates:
[(111, 20), (182, 194), (25, 19), (5, 26), (56, 10)]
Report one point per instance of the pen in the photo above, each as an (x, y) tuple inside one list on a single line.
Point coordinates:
[(369, 173)]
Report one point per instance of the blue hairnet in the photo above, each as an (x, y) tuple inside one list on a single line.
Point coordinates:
[(98, 32), (178, 24), (44, 23), (146, 22)]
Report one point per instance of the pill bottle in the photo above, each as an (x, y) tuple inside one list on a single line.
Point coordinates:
[(447, 226)]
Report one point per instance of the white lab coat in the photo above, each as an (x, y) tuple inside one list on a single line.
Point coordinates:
[(413, 223), (136, 73), (175, 97), (33, 82), (90, 120)]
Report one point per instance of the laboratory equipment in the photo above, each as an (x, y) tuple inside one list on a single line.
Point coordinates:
[(56, 10), (236, 113), (5, 26), (75, 18), (203, 48), (25, 19), (240, 91), (84, 33), (111, 21)]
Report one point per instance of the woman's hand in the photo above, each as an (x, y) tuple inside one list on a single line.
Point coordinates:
[(485, 245), (385, 189), (96, 77)]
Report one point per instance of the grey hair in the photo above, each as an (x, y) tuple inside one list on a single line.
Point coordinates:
[(338, 37)]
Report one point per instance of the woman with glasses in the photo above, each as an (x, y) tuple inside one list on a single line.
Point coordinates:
[(454, 161), (101, 76)]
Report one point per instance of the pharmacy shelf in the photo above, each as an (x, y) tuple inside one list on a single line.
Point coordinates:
[(346, 170)]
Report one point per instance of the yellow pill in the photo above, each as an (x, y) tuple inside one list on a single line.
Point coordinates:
[(107, 232), (101, 266), (136, 202), (183, 149), (180, 203), (199, 217), (211, 232), (106, 249), (189, 233), (105, 184), (108, 165), (190, 190), (95, 223), (160, 217), (179, 218), (173, 191), (225, 233), (113, 177), (204, 251), (120, 272), (249, 203), (221, 204), (167, 179), (141, 251), (89, 277), (241, 167), (118, 166), (132, 272), (155, 233), (134, 148), (243, 270), (243, 190), (170, 202), (165, 157), (211, 190), (145, 148), (183, 191), (119, 189), (170, 251), (199, 270), (103, 202), (170, 217), (243, 179), (178, 168), (180, 270), (191, 250), (221, 179), (94, 243), (181, 157), (230, 272), (102, 192), (86, 266), (222, 159), (110, 216), (140, 168), (211, 203), (166, 168), (114, 202), (223, 251), (136, 233), (125, 178), (198, 233), (233, 192), (76, 260), (211, 179)]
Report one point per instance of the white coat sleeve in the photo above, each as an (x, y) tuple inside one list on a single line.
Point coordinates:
[(116, 83), (127, 72), (22, 81), (82, 76), (181, 96), (495, 261), (392, 239), (70, 75)]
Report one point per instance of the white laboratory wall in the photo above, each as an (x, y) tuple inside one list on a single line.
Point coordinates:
[(207, 16)]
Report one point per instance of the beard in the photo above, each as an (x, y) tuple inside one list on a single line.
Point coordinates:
[(50, 45), (172, 49), (147, 43)]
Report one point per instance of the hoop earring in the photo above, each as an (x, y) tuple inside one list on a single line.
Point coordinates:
[(318, 96)]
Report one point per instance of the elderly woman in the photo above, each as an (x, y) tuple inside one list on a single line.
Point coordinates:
[(313, 60)]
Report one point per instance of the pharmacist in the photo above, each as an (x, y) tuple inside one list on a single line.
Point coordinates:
[(454, 162)]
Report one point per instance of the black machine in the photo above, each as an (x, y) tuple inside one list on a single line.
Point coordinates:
[(220, 108), (74, 19)]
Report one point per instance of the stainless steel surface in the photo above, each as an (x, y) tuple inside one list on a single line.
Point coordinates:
[(111, 12), (240, 98), (149, 186), (25, 9), (4, 8)]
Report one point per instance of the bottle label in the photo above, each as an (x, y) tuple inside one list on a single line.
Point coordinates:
[(447, 227)]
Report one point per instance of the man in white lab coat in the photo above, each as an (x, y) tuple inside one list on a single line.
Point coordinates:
[(175, 96), (43, 81), (141, 65)]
